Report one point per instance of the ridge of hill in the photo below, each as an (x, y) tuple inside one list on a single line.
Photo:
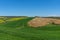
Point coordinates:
[(43, 21), (19, 30)]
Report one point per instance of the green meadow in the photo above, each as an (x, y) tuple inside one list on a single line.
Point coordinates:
[(12, 29)]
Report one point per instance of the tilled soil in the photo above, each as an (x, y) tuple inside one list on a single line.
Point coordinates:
[(39, 22)]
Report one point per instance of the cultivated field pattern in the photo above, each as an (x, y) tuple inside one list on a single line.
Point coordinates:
[(17, 28)]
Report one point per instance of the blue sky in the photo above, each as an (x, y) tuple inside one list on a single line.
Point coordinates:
[(29, 7)]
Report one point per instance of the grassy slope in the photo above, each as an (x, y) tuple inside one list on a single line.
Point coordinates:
[(16, 31)]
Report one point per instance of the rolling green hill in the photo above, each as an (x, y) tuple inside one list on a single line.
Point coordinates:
[(19, 30)]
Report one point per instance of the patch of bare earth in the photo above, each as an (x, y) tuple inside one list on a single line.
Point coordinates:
[(39, 22)]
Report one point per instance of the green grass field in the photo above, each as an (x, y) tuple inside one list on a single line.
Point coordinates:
[(19, 30)]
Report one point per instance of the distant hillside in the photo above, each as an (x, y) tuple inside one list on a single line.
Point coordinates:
[(52, 17), (16, 28)]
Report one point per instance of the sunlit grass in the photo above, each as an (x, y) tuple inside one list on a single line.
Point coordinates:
[(2, 21), (16, 29), (15, 19)]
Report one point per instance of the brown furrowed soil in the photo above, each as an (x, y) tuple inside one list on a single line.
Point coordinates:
[(39, 22)]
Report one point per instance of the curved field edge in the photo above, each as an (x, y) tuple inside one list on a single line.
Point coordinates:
[(18, 30)]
